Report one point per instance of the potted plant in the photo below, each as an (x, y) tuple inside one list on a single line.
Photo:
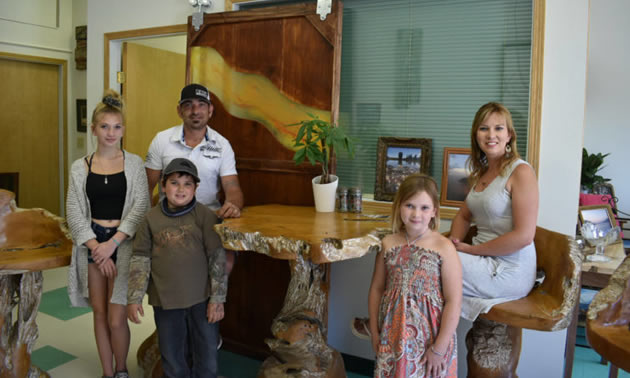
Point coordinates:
[(591, 164), (316, 140)]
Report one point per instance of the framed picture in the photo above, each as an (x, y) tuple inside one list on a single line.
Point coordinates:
[(604, 188), (397, 158), (600, 215), (81, 115), (454, 176)]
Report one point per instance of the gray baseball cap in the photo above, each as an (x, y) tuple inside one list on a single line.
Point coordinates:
[(181, 165)]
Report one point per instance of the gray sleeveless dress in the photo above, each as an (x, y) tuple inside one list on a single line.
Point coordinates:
[(490, 280)]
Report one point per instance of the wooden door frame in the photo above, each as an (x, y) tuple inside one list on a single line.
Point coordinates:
[(62, 68), (130, 35)]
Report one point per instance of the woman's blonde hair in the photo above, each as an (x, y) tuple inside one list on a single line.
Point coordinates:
[(111, 103), (413, 184)]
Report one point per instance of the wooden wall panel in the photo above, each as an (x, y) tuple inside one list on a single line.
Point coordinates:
[(299, 54)]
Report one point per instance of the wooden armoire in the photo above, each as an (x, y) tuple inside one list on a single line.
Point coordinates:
[(296, 54)]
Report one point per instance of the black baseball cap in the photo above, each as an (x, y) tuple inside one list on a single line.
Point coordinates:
[(195, 91), (181, 165)]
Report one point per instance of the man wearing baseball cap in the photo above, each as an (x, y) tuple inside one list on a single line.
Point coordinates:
[(209, 150)]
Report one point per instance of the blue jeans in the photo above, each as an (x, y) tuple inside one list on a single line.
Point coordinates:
[(103, 234), (180, 329)]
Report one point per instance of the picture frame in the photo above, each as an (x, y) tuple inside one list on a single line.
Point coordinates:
[(81, 115), (604, 188), (455, 174), (397, 158), (600, 215)]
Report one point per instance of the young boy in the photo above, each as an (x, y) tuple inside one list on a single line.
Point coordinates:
[(178, 260)]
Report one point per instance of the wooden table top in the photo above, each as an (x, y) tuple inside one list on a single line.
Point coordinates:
[(282, 231), (31, 239), (597, 274), (615, 251)]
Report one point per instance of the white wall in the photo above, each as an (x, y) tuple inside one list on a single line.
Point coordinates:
[(564, 85), (608, 92), (176, 43), (43, 39)]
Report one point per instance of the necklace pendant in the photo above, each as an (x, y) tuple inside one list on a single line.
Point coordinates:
[(105, 180)]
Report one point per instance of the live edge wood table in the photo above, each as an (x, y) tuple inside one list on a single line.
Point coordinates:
[(308, 240), (595, 275), (31, 240), (608, 320)]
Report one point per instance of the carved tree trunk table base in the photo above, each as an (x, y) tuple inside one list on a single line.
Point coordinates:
[(308, 240), (149, 357), (493, 349), (18, 337), (299, 348)]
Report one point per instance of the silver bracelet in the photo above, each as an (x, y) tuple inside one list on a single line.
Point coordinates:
[(436, 352)]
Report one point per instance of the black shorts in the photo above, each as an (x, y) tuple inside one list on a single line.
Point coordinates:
[(103, 234)]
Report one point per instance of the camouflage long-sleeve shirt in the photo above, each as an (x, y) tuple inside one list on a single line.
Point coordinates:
[(177, 260)]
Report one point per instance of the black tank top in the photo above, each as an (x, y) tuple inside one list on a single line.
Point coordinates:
[(106, 193)]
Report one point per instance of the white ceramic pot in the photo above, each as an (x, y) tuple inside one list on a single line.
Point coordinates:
[(325, 194)]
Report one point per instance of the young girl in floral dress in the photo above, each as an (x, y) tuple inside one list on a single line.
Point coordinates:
[(416, 291)]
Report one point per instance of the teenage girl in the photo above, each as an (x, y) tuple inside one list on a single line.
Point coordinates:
[(107, 199), (416, 291)]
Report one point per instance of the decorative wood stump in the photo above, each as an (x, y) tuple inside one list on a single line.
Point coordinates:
[(30, 241), (149, 357), (494, 342), (308, 240), (608, 318)]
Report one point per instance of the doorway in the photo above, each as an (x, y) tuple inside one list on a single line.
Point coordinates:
[(33, 126), (150, 91)]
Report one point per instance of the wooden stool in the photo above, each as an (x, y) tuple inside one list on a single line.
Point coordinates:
[(494, 342)]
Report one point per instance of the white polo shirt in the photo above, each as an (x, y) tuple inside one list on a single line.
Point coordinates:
[(213, 157)]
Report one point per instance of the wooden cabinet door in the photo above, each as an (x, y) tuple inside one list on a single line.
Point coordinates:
[(266, 69)]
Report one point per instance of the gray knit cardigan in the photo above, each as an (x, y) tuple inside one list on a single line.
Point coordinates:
[(79, 221)]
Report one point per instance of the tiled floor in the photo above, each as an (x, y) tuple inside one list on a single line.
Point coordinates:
[(66, 346)]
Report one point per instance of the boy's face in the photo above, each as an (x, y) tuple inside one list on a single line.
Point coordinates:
[(179, 189)]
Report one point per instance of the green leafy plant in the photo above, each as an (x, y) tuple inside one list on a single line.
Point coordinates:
[(316, 140), (591, 164)]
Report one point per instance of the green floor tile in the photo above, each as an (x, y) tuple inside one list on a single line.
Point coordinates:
[(587, 365), (56, 303), (47, 357), (232, 365)]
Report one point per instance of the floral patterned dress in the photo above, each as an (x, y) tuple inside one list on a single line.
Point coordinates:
[(410, 313)]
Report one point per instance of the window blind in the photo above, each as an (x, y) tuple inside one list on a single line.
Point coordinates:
[(421, 69)]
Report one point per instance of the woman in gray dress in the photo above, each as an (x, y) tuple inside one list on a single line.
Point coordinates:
[(500, 263)]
